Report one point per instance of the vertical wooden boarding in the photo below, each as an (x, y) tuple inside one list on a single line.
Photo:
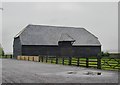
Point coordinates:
[(98, 62), (78, 61), (23, 57), (87, 62), (56, 59), (20, 58), (33, 58), (28, 58), (70, 59), (63, 60)]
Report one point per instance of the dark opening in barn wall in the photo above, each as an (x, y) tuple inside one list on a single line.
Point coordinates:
[(65, 48)]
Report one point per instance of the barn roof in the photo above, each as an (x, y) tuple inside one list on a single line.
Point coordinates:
[(51, 35), (66, 37)]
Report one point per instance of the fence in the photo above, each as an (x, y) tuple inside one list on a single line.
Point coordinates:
[(75, 61), (7, 56), (111, 62), (107, 63)]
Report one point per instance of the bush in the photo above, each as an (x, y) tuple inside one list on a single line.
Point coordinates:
[(103, 54), (2, 53)]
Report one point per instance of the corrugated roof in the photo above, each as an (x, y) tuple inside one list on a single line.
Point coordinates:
[(51, 35)]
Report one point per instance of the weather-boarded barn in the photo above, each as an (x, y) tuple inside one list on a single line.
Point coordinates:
[(36, 40)]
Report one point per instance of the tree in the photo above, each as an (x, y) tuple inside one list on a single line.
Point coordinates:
[(1, 51)]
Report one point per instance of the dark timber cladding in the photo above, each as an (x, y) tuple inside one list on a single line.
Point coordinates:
[(55, 41)]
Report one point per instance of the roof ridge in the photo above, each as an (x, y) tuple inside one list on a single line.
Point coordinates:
[(62, 26), (18, 34)]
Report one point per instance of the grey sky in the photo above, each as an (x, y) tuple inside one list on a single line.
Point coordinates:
[(0, 22), (100, 18)]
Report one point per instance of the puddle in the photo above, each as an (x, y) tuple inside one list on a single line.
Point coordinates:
[(71, 72), (92, 73), (84, 73)]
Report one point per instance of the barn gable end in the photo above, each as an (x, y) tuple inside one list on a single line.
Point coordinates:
[(17, 47)]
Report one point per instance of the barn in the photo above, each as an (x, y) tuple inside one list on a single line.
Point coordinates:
[(36, 40)]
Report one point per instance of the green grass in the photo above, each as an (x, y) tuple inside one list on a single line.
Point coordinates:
[(0, 56), (1, 51), (114, 64)]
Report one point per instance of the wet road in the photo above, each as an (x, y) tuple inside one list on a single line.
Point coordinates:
[(18, 71)]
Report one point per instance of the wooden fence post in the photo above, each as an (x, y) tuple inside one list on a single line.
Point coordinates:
[(6, 56), (39, 59), (28, 58), (10, 56), (51, 60), (99, 62), (87, 62), (56, 59), (70, 59), (42, 58), (78, 61), (63, 60), (46, 58)]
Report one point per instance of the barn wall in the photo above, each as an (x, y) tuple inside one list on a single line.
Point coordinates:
[(39, 50), (16, 47), (86, 50), (59, 51)]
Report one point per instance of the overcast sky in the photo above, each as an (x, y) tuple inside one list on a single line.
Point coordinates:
[(0, 22), (100, 18)]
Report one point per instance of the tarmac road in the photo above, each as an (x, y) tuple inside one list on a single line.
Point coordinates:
[(18, 71)]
